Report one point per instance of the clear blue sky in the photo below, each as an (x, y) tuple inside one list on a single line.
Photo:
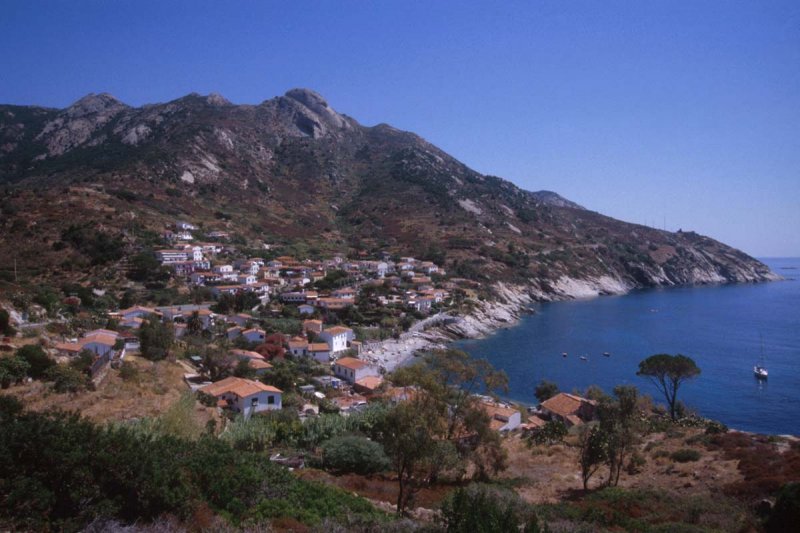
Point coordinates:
[(640, 110)]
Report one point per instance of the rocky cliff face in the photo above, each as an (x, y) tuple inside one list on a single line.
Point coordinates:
[(292, 169)]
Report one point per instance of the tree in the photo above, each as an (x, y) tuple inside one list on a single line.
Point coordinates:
[(12, 370), (37, 359), (486, 509), (411, 436), (5, 323), (668, 373), (218, 363), (620, 427), (592, 452), (545, 390), (449, 380), (354, 454), (155, 339), (786, 514), (194, 325), (66, 379)]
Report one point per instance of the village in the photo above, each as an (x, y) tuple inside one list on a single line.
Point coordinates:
[(332, 315)]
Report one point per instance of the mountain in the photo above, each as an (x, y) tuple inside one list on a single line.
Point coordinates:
[(293, 171)]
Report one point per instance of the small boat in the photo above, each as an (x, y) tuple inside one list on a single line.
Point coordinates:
[(563, 354), (759, 370), (606, 354), (584, 358)]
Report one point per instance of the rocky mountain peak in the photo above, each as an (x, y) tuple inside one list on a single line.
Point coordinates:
[(554, 199), (316, 118), (94, 103)]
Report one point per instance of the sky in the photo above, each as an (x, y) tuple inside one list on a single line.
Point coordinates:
[(674, 114)]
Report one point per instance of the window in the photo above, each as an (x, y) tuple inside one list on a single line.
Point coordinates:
[(271, 400), (254, 402)]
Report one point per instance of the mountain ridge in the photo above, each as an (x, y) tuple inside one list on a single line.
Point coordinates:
[(293, 169)]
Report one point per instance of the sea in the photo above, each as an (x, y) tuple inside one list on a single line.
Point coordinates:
[(724, 328)]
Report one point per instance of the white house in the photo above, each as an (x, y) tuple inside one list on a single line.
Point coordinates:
[(502, 418), (167, 257), (254, 335), (306, 309), (99, 343), (244, 395), (319, 351), (351, 369), (336, 338), (246, 279), (223, 269)]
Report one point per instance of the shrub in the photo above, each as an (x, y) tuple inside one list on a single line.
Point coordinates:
[(38, 361), (485, 509), (12, 370), (352, 454), (129, 372), (66, 379), (715, 428), (5, 323), (685, 456), (785, 515)]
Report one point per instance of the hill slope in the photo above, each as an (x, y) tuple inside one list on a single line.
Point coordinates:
[(292, 169)]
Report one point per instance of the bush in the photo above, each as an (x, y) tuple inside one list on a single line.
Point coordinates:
[(715, 428), (352, 454), (685, 456), (5, 323), (129, 372), (785, 515), (12, 370), (37, 359), (66, 379), (485, 509)]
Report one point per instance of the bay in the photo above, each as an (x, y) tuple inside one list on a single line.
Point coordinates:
[(720, 327)]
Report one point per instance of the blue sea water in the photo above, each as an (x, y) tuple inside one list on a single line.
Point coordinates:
[(718, 326)]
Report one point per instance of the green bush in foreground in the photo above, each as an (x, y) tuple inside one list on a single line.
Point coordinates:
[(353, 454), (485, 509), (60, 472)]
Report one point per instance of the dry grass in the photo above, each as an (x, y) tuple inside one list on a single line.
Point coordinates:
[(157, 387)]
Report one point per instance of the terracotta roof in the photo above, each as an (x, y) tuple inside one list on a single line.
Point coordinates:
[(370, 382), (246, 353), (297, 342), (533, 422), (352, 363), (564, 404), (69, 347), (100, 338), (319, 347), (238, 386), (258, 364), (254, 330), (498, 412), (337, 330)]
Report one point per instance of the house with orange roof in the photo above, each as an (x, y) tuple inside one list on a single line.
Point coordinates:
[(254, 335), (244, 396), (315, 326), (368, 385), (298, 346), (351, 369), (502, 417), (319, 351), (570, 409)]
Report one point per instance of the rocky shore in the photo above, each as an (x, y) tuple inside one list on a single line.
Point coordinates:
[(511, 302)]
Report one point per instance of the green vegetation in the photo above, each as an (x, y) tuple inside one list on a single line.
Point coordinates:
[(99, 247), (156, 338), (65, 378), (685, 455), (12, 370), (353, 454), (485, 509), (545, 390), (38, 361), (668, 372), (61, 472), (5, 323)]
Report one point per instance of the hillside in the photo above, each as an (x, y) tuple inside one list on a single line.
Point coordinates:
[(293, 171)]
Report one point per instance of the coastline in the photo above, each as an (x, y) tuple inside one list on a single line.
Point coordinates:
[(513, 301)]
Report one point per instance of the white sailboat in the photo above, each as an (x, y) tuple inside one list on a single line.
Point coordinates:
[(760, 370)]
